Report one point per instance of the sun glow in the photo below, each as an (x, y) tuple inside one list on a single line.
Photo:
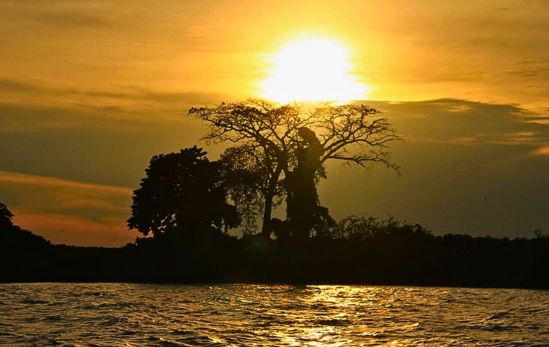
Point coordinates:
[(312, 69)]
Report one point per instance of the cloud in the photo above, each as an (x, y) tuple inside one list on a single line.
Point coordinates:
[(127, 100), (13, 85), (71, 230), (73, 18), (62, 14), (539, 119), (67, 211), (540, 72), (89, 145), (197, 33), (53, 195), (52, 182), (465, 122), (541, 151)]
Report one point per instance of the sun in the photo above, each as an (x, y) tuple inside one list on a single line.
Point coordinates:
[(312, 70)]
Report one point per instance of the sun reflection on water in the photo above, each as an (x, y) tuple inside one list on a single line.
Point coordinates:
[(270, 315)]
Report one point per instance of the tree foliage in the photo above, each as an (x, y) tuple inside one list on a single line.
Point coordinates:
[(361, 228), (182, 192), (290, 144), (14, 239), (354, 134), (247, 180), (260, 129), (5, 216)]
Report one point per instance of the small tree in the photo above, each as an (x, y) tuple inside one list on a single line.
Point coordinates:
[(182, 193), (5, 217)]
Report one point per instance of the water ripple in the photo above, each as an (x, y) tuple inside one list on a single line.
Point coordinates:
[(265, 315)]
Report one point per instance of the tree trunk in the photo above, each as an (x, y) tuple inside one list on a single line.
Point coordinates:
[(269, 196), (266, 228)]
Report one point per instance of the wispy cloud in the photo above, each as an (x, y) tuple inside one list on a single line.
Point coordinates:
[(62, 14), (73, 230), (541, 151), (52, 182), (120, 100), (67, 211), (13, 85), (465, 122)]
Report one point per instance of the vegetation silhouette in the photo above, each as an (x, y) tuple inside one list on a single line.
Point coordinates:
[(5, 216), (187, 208), (303, 210), (290, 144), (355, 250), (183, 193), (13, 236)]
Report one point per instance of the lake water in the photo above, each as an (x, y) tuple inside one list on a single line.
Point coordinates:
[(107, 314)]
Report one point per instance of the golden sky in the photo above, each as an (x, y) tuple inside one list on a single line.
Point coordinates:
[(86, 85), (493, 51)]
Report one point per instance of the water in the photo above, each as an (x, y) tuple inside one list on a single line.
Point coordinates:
[(265, 315)]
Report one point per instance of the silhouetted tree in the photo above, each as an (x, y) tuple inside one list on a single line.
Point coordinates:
[(248, 181), (13, 239), (263, 130), (5, 217), (182, 192), (303, 206), (294, 141)]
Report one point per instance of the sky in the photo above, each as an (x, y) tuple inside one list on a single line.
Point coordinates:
[(90, 90)]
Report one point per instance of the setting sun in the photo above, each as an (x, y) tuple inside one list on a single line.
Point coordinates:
[(312, 69)]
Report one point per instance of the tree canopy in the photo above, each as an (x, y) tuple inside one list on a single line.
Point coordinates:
[(5, 216), (182, 192), (248, 181), (291, 143)]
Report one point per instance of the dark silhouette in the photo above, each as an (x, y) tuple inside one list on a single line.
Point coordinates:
[(13, 236), (356, 250), (182, 193), (5, 216), (22, 253), (188, 203), (265, 131), (303, 207), (249, 180), (280, 137)]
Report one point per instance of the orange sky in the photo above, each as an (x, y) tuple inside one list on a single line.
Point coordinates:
[(90, 90), (491, 51)]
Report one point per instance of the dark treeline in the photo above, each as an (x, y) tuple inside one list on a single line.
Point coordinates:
[(188, 208), (359, 250)]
